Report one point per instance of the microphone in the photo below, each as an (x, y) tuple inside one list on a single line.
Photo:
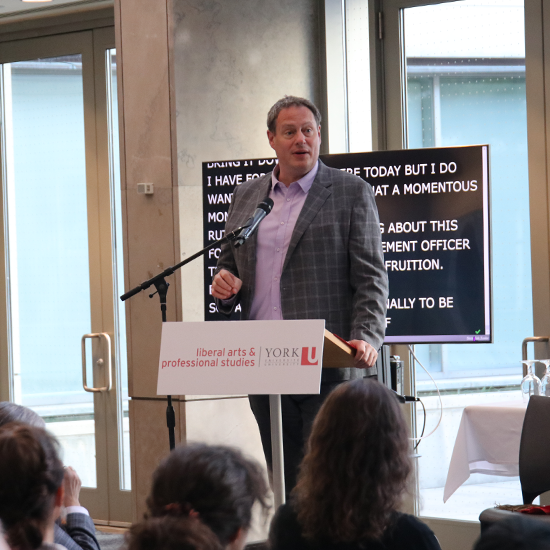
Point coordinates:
[(249, 228)]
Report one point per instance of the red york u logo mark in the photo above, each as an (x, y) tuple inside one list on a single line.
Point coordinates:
[(309, 356)]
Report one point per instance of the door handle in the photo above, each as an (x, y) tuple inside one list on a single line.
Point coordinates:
[(99, 362)]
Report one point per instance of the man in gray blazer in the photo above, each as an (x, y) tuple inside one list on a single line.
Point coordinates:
[(317, 255), (78, 530)]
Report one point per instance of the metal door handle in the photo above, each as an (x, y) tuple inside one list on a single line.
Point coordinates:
[(99, 362)]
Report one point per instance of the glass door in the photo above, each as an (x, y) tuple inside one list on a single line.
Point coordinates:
[(61, 214), (455, 75)]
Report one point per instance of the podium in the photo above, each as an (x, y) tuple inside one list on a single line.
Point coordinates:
[(337, 353), (250, 357)]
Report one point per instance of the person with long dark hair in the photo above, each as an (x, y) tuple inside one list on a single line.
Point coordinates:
[(213, 484), (31, 486), (352, 479)]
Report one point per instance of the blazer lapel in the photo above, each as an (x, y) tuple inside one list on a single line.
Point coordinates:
[(318, 194)]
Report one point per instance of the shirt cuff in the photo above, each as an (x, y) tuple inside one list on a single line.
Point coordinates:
[(76, 510)]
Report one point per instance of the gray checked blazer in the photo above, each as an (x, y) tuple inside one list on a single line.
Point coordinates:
[(334, 268), (78, 534)]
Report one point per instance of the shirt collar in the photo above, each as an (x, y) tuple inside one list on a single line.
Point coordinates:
[(305, 182)]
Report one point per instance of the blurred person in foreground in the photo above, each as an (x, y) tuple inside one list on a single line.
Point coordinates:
[(353, 478), (170, 533), (3, 543), (215, 485), (31, 486), (77, 531), (516, 533)]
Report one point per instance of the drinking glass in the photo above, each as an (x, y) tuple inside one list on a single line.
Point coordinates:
[(530, 385), (545, 381)]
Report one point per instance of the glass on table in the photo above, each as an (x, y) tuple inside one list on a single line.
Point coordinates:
[(545, 381), (530, 385)]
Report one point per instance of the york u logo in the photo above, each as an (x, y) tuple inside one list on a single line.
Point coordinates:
[(281, 352), (309, 356)]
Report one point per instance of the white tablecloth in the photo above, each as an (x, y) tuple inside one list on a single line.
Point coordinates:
[(487, 443)]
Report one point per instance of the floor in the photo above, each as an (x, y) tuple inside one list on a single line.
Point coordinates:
[(469, 500), (110, 539), (479, 491)]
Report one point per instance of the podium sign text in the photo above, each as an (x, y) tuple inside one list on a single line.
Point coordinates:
[(254, 357)]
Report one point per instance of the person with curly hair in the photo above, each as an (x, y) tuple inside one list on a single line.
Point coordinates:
[(31, 486), (352, 479), (213, 484)]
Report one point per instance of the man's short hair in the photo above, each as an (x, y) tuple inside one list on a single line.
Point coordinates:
[(11, 412), (285, 103)]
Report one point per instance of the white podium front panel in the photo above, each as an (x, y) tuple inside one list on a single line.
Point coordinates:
[(232, 357)]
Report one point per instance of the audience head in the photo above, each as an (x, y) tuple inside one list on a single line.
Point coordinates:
[(215, 484), (31, 478), (169, 533), (356, 466), (10, 412), (3, 543), (515, 533)]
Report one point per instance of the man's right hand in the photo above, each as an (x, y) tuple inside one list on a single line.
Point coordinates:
[(225, 285)]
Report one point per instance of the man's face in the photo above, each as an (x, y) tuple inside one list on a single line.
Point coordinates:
[(296, 141)]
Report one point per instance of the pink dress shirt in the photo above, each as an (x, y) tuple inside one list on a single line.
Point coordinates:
[(272, 243)]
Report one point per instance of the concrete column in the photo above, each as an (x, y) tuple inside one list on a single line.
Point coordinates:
[(151, 222)]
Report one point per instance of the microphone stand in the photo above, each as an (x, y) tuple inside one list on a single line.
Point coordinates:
[(159, 282)]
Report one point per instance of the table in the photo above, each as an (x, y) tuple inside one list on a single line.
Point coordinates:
[(487, 442)]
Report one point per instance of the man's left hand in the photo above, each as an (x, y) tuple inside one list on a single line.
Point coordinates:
[(365, 356), (72, 484)]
